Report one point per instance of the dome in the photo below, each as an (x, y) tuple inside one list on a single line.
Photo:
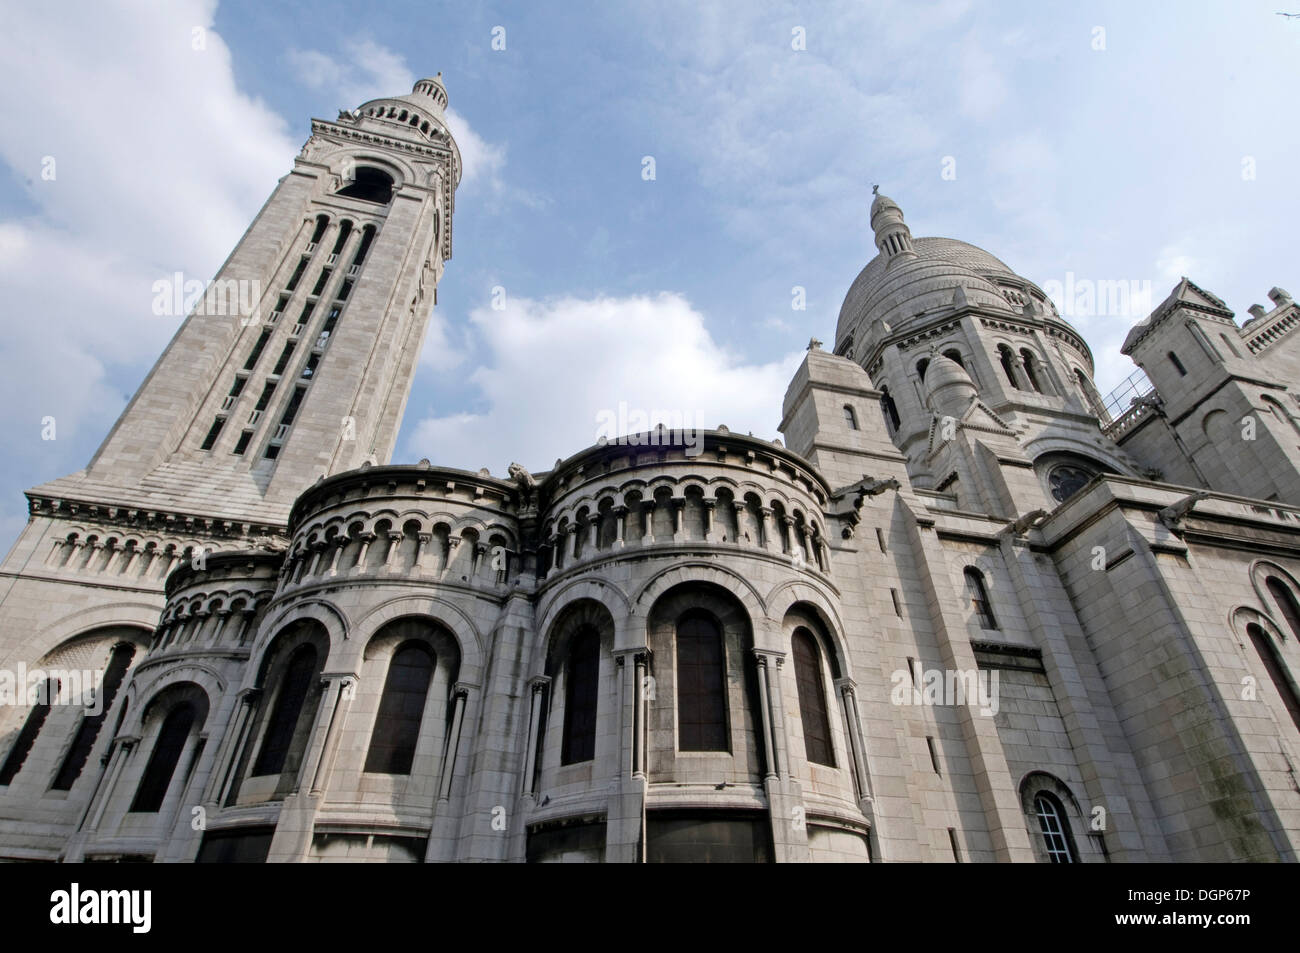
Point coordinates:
[(925, 282)]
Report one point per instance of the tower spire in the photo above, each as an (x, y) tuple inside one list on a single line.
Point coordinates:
[(893, 237)]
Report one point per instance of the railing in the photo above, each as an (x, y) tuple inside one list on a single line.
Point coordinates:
[(1119, 400)]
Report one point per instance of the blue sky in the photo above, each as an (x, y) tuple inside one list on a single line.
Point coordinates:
[(1164, 145)]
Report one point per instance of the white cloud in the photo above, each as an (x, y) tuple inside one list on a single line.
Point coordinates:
[(551, 368), (149, 178), (366, 70)]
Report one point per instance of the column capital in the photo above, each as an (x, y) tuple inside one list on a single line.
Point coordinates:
[(539, 682), (763, 656)]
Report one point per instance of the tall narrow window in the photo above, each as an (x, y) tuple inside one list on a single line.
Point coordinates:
[(257, 349), (1031, 369), (321, 281), (1008, 365), (367, 236), (242, 443), (850, 418), (581, 688), (88, 730), (1178, 365), (291, 409), (1267, 653), (309, 368), (280, 728), (979, 598), (45, 695), (922, 366), (345, 229), (167, 750), (1286, 601), (701, 685), (401, 708), (267, 390), (210, 440), (322, 223), (283, 360), (297, 275), (1055, 829), (888, 408), (812, 699)]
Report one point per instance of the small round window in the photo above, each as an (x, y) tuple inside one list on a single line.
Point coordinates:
[(1065, 481)]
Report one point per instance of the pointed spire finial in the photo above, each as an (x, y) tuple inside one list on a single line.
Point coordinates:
[(875, 189)]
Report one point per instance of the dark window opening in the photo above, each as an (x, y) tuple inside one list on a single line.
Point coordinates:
[(1277, 673), (291, 409), (321, 281), (955, 357), (272, 451), (701, 685), (888, 408), (1286, 601), (812, 699), (283, 360), (979, 598), (367, 236), (1178, 365), (322, 223), (1031, 370), (297, 274), (88, 730), (310, 367), (850, 417), (242, 444), (344, 290), (345, 229), (237, 387), (265, 399), (401, 709), (166, 754), (294, 687), (922, 366), (257, 349), (581, 688), (45, 696), (1008, 365), (210, 440), (370, 185)]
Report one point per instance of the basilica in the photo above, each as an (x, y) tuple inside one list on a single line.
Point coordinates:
[(965, 609)]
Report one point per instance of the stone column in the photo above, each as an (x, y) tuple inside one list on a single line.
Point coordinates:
[(340, 543), (766, 717), (366, 540), (648, 510), (223, 773), (394, 544), (538, 686), (620, 525), (560, 560), (787, 533), (679, 512), (460, 696), (709, 506), (847, 690), (342, 702), (421, 541)]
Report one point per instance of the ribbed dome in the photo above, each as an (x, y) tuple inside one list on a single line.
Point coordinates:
[(924, 282)]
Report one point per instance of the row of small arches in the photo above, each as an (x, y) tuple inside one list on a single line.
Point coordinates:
[(467, 556), (401, 115), (133, 557)]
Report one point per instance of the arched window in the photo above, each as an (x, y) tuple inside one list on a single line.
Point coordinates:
[(921, 366), (88, 730), (322, 223), (850, 418), (1277, 673), (581, 688), (401, 709), (1031, 369), (1055, 828), (1286, 601), (345, 229), (954, 355), (1008, 365), (890, 411), (367, 236), (701, 685), (370, 185), (979, 598), (45, 695), (1178, 365), (812, 699), (166, 755), (294, 687)]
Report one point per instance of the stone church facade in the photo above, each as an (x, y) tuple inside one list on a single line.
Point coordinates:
[(959, 613)]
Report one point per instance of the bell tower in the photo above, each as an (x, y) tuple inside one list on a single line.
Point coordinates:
[(294, 363)]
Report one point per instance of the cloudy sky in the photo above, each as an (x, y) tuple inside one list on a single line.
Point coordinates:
[(1110, 141)]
